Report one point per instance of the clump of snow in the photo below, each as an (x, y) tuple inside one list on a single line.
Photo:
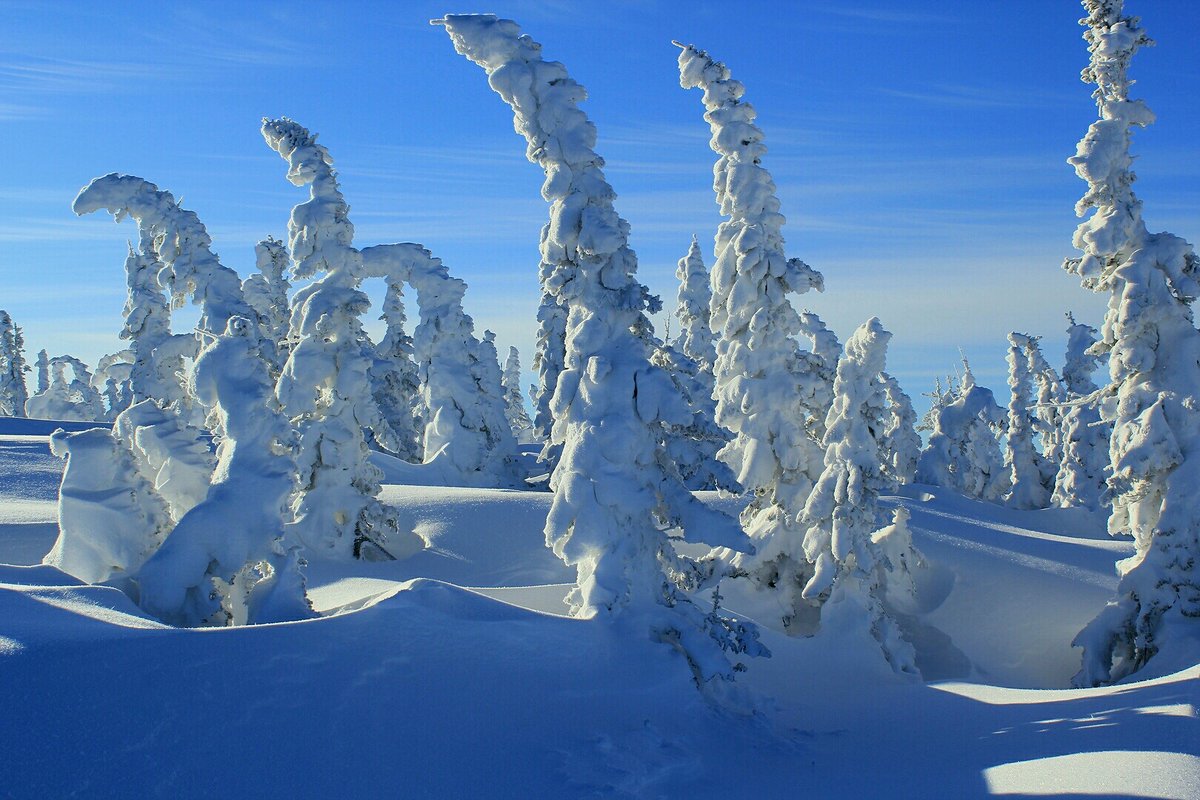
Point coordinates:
[(110, 518)]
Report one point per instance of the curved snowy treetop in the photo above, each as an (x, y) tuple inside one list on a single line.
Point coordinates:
[(320, 234), (584, 230), (178, 239)]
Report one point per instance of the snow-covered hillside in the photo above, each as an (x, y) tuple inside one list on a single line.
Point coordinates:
[(455, 673)]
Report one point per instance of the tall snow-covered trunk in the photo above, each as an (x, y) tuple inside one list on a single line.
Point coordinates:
[(1154, 371), (324, 387), (761, 379), (612, 493)]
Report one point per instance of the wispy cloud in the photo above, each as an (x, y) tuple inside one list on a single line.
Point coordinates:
[(887, 15), (964, 96)]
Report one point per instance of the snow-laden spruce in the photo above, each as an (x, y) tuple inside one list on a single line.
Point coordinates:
[(550, 350), (694, 312), (1082, 478), (462, 401), (1024, 461), (691, 449), (613, 495), (689, 361), (761, 379), (1154, 370), (900, 447), (841, 581), (13, 393), (266, 291), (324, 387), (394, 380), (155, 374), (74, 399), (227, 561), (964, 442), (514, 400)]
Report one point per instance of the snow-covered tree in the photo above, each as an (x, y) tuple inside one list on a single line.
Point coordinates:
[(174, 253), (550, 350), (900, 447), (818, 366), (76, 399), (694, 313), (394, 380), (266, 292), (1024, 461), (689, 361), (964, 446), (1083, 472), (13, 393), (324, 387), (692, 448), (613, 495), (462, 399), (227, 561), (43, 371), (178, 240), (1154, 370), (842, 576), (762, 380), (514, 401)]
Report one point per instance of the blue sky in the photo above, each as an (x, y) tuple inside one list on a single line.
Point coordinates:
[(919, 149)]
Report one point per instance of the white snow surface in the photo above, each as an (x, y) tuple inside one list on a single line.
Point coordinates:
[(455, 673)]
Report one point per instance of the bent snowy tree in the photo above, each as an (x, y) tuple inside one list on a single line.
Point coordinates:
[(1154, 369), (324, 387), (613, 495), (762, 379)]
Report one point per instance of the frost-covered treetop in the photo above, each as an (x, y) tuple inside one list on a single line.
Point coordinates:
[(180, 242), (320, 234)]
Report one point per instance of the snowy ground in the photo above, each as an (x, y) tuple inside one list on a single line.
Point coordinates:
[(454, 674)]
